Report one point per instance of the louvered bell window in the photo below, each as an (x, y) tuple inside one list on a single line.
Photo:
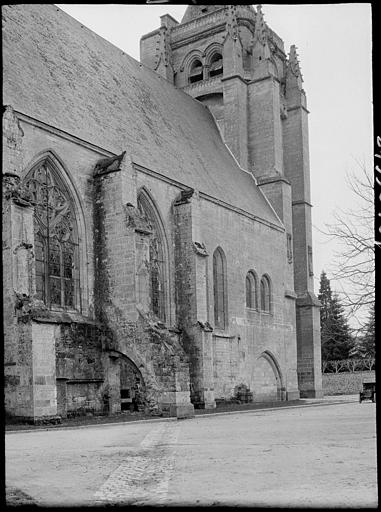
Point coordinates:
[(216, 67), (196, 72)]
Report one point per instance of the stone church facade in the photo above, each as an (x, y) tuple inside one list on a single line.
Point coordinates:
[(157, 248)]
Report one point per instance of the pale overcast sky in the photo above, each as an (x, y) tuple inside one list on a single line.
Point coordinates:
[(334, 46)]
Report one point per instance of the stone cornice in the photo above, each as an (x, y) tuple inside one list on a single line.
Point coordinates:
[(262, 78), (301, 201), (207, 19), (196, 37), (61, 133), (272, 179), (207, 197), (150, 34), (296, 107), (138, 167), (241, 212), (234, 75), (209, 86)]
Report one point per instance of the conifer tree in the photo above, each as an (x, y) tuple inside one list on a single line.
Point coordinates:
[(336, 339), (366, 344)]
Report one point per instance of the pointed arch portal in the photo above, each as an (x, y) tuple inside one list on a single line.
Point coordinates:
[(268, 379)]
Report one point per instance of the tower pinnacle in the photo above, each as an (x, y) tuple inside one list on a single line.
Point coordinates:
[(260, 26), (294, 65)]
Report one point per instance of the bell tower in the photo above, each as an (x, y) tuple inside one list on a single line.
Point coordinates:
[(228, 58)]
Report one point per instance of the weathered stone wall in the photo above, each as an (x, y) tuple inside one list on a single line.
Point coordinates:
[(249, 332), (44, 370), (346, 383), (78, 351), (233, 353), (153, 348), (31, 388), (77, 162), (265, 130)]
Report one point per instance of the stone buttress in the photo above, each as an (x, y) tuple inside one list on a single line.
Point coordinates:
[(122, 295), (191, 260)]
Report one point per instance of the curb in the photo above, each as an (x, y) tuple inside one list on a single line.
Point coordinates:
[(208, 415)]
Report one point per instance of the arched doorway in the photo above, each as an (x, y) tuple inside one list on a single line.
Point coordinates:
[(268, 381), (132, 386)]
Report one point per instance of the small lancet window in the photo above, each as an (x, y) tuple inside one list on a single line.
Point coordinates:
[(220, 289), (251, 290), (55, 239), (196, 72), (216, 67), (289, 247), (265, 294)]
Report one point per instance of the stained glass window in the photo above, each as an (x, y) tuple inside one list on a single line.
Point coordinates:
[(156, 259), (219, 288), (56, 240)]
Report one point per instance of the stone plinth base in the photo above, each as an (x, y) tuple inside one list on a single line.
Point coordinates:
[(311, 393), (181, 410), (205, 405), (292, 395)]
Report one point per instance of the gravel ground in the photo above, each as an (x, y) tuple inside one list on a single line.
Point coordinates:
[(318, 454)]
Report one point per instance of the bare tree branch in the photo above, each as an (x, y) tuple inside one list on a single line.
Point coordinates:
[(353, 228)]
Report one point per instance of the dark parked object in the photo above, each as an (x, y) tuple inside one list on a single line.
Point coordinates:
[(368, 391)]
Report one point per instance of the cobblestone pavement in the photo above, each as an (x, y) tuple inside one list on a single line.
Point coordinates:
[(322, 456), (144, 479)]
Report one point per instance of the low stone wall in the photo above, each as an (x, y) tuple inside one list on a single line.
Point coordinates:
[(345, 383)]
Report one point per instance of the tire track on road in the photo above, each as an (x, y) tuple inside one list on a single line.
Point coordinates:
[(144, 478)]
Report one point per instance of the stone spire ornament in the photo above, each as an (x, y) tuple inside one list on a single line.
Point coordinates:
[(233, 63), (231, 22), (261, 50), (260, 32), (294, 65), (163, 64), (294, 78)]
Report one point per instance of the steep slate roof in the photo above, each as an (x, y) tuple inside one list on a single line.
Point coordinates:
[(61, 73)]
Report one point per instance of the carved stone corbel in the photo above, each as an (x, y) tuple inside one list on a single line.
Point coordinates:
[(185, 196), (108, 165)]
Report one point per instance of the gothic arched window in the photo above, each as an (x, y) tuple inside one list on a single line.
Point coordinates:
[(216, 65), (196, 72), (156, 258), (56, 238), (265, 294), (220, 289), (251, 290)]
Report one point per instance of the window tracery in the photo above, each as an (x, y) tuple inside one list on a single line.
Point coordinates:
[(56, 239), (156, 259)]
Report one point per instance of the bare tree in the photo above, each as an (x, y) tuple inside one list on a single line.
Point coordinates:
[(354, 230)]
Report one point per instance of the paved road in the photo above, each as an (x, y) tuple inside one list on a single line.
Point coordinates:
[(305, 456)]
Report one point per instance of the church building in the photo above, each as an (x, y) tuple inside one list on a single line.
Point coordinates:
[(157, 246)]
